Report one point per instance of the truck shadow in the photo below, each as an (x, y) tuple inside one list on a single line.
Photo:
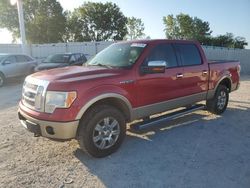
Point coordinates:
[(165, 156), (239, 102)]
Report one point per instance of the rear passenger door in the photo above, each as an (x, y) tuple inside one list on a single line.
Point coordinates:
[(22, 65), (194, 78)]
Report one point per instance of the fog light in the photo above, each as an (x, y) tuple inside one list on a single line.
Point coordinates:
[(50, 130)]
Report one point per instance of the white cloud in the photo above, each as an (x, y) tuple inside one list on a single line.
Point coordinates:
[(70, 4)]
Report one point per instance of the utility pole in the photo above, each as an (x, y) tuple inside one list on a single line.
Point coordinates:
[(21, 23)]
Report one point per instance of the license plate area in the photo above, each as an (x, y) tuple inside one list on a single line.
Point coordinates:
[(31, 126)]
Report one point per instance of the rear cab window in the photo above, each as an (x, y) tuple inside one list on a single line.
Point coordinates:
[(189, 54)]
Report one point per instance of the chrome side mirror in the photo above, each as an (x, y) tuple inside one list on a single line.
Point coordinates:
[(154, 67), (157, 64)]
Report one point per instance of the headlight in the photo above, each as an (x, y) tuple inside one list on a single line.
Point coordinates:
[(55, 99), (39, 98)]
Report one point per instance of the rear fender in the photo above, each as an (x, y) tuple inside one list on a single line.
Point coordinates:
[(226, 76)]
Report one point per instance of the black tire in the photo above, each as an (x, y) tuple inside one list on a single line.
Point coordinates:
[(218, 103), (2, 79), (89, 129)]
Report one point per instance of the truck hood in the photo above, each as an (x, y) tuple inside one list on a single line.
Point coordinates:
[(74, 73)]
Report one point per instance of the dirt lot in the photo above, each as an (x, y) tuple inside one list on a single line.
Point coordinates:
[(198, 150)]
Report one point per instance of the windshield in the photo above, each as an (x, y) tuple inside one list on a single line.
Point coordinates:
[(118, 55), (57, 58), (2, 57)]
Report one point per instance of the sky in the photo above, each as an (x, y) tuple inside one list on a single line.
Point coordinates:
[(223, 15)]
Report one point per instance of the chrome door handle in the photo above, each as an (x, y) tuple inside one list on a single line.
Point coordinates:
[(179, 75), (127, 82), (204, 72)]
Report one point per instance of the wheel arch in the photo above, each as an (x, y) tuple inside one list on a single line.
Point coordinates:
[(225, 80), (112, 99), (1, 73), (3, 80)]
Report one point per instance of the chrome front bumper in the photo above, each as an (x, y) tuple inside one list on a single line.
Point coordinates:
[(49, 129)]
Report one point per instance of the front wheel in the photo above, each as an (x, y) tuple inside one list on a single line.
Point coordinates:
[(218, 103), (101, 131)]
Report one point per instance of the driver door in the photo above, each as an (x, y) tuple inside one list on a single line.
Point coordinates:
[(160, 87), (9, 67)]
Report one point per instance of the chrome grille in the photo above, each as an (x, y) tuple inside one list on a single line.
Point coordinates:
[(29, 94), (33, 94)]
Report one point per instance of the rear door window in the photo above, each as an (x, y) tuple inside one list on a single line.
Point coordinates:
[(78, 57), (83, 58), (21, 58), (72, 59), (28, 58), (190, 54)]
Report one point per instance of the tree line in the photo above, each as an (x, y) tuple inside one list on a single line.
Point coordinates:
[(47, 22), (184, 26)]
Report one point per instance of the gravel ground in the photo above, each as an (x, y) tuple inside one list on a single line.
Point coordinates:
[(197, 150)]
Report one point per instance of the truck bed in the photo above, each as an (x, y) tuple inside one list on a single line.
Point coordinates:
[(221, 68)]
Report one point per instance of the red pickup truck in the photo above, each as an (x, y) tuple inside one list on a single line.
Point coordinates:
[(126, 81)]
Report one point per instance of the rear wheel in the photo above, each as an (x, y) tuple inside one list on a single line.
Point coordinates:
[(102, 131), (218, 103), (2, 79)]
